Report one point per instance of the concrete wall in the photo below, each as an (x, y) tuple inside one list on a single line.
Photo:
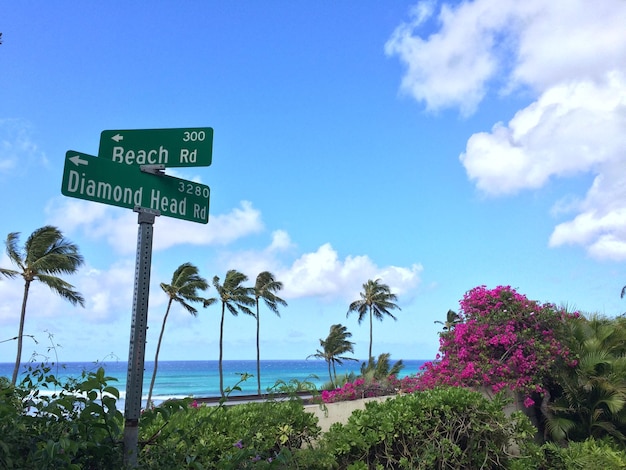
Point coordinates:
[(341, 411), (338, 412)]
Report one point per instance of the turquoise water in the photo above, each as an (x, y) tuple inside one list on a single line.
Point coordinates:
[(200, 379)]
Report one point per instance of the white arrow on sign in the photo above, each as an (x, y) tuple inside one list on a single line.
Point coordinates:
[(117, 137), (76, 160)]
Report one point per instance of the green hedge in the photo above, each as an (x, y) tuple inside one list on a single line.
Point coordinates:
[(242, 436), (442, 428)]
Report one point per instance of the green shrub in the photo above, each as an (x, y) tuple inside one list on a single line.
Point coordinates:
[(447, 427), (590, 454), (76, 427), (243, 436)]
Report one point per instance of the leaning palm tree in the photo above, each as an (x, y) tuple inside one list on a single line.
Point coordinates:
[(186, 282), (264, 288), (45, 254), (338, 344), (377, 300), (236, 298), (335, 344)]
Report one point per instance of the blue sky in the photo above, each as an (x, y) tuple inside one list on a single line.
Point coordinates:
[(437, 146)]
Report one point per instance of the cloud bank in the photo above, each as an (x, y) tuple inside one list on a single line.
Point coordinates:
[(570, 57)]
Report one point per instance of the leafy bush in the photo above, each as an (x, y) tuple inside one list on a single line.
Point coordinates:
[(242, 436), (591, 401), (76, 427), (590, 454), (446, 427)]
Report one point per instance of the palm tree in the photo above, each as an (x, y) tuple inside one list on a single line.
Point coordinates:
[(186, 282), (592, 401), (335, 344), (236, 298), (380, 369), (264, 288), (377, 300), (452, 318), (45, 254)]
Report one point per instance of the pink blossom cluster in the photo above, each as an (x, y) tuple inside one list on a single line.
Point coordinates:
[(361, 388), (504, 341), (350, 391)]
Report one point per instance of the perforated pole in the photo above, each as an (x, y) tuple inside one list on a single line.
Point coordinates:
[(138, 327)]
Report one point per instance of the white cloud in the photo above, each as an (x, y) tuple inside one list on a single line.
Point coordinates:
[(222, 229), (451, 66), (17, 149), (561, 41), (323, 274), (571, 128), (119, 227), (532, 43), (568, 54), (601, 224), (107, 292), (253, 262)]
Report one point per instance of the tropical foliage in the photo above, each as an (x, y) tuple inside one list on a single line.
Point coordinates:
[(186, 282), (592, 398), (78, 426), (452, 318), (376, 301), (377, 378), (235, 297), (443, 428), (333, 347), (265, 287), (381, 369), (45, 255)]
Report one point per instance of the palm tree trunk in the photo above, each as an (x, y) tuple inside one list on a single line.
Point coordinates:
[(221, 347), (330, 375), (20, 334), (334, 372), (156, 356), (258, 349), (371, 336)]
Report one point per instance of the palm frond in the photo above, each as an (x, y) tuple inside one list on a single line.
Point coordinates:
[(13, 252), (9, 273), (63, 289)]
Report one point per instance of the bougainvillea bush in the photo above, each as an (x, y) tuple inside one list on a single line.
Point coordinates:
[(362, 388), (503, 341)]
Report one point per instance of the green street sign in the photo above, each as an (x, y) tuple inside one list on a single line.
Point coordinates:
[(100, 180), (170, 147)]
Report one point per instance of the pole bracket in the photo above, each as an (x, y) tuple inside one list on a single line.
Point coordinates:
[(158, 170)]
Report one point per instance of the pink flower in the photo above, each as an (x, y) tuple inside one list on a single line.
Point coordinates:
[(504, 341)]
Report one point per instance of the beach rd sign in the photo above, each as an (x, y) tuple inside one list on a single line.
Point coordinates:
[(100, 180), (170, 147)]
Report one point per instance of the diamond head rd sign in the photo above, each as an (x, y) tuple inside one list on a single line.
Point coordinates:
[(102, 180)]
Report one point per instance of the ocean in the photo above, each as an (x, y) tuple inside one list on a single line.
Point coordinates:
[(200, 379)]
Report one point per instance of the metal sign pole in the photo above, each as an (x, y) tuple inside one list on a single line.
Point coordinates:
[(138, 327)]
